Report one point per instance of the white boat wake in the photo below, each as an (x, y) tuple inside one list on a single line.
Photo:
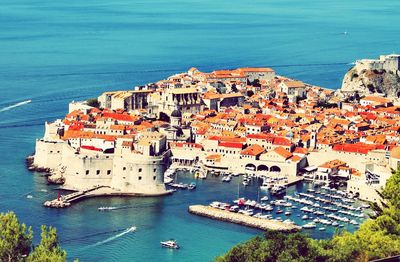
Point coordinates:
[(126, 231), (15, 105)]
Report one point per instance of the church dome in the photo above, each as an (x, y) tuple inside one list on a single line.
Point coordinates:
[(395, 152), (176, 113)]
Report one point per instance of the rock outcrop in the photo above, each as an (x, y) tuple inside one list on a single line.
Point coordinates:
[(372, 82)]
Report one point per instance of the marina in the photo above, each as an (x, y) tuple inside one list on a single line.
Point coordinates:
[(241, 219), (322, 209)]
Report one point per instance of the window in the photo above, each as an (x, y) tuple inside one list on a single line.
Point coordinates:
[(124, 168), (155, 170), (140, 170), (140, 178), (108, 172), (97, 172), (87, 172), (154, 177)]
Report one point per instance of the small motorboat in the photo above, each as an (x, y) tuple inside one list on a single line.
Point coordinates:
[(321, 229), (353, 222), (192, 186), (248, 212), (288, 213), (234, 209), (227, 178), (106, 208), (132, 229), (265, 198), (279, 211), (170, 244), (268, 208), (278, 190), (309, 225), (168, 180), (365, 206), (289, 222)]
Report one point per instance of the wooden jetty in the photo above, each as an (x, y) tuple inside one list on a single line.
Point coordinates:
[(236, 218)]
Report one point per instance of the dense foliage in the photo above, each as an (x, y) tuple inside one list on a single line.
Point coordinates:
[(93, 102), (376, 238), (16, 242)]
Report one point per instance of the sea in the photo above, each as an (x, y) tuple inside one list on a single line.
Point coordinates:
[(53, 52)]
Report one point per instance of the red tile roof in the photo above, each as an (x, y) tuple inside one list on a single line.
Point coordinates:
[(253, 150)]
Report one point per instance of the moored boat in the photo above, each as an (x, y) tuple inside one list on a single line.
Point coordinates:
[(264, 198), (309, 225), (106, 208), (278, 190)]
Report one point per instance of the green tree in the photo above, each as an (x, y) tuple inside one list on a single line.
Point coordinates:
[(49, 249), (93, 102), (16, 242), (15, 238)]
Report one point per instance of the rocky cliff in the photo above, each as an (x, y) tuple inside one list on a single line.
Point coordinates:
[(372, 82)]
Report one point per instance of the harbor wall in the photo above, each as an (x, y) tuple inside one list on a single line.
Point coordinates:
[(85, 171), (139, 174), (48, 154), (236, 218), (126, 173)]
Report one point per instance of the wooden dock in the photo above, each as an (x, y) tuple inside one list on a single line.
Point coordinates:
[(236, 218)]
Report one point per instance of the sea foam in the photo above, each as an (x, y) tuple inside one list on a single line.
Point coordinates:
[(15, 105)]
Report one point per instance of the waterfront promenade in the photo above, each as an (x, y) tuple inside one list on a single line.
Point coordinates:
[(259, 223)]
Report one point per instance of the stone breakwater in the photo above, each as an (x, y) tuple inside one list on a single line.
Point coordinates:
[(224, 215)]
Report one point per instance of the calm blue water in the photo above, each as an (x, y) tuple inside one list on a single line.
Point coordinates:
[(53, 52)]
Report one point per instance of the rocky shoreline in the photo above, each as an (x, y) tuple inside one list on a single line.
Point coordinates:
[(47, 172), (32, 167)]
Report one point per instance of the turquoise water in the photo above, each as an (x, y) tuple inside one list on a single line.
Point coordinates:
[(53, 52)]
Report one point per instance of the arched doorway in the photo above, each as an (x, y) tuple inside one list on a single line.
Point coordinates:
[(262, 168), (275, 169), (250, 167)]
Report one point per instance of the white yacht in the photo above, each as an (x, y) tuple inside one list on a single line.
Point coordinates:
[(106, 208), (278, 190), (264, 198), (170, 244), (309, 225)]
